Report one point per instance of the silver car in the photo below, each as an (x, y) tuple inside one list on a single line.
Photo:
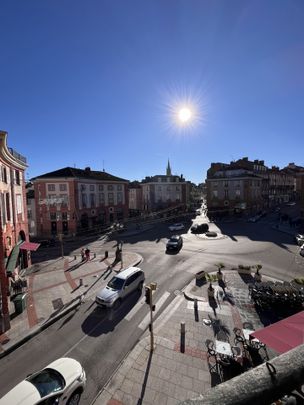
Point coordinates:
[(120, 286)]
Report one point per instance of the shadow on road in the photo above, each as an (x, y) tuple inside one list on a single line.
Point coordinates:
[(101, 321)]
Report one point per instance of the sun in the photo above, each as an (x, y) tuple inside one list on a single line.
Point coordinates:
[(184, 115)]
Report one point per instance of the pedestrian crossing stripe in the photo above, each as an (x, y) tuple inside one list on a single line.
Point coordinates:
[(158, 304)]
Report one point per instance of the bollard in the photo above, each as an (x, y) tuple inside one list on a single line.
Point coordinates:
[(196, 317), (94, 255), (182, 338), (80, 282), (74, 257), (106, 254)]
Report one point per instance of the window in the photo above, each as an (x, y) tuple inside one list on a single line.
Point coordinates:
[(110, 187), (101, 198), (53, 216), (4, 175), (177, 188), (82, 187), (168, 188), (119, 198), (52, 199), (214, 193), (51, 187), (226, 193), (92, 187), (19, 203), (64, 216), (100, 187), (225, 183), (111, 198), (92, 200), (64, 200), (8, 208), (84, 200), (119, 187), (62, 187), (17, 176), (237, 193)]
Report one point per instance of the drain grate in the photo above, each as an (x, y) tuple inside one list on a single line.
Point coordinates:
[(57, 303)]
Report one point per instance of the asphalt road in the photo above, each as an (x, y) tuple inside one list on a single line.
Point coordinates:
[(100, 339)]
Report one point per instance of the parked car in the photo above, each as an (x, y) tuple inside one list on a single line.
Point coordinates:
[(302, 250), (61, 382), (175, 243), (120, 286), (199, 228), (176, 227), (299, 239)]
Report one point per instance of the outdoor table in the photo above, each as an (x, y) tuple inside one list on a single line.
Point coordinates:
[(223, 348)]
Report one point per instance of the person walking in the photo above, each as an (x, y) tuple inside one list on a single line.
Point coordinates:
[(87, 254)]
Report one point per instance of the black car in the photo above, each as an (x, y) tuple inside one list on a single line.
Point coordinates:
[(175, 243), (199, 228)]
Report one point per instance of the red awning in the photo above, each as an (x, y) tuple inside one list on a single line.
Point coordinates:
[(283, 335), (29, 246)]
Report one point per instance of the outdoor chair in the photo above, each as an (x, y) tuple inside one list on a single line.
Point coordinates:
[(237, 352), (238, 337), (211, 354)]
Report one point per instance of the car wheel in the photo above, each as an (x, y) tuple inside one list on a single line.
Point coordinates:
[(140, 286), (74, 399)]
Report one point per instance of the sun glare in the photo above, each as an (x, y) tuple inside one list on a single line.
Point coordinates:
[(184, 115), (184, 110)]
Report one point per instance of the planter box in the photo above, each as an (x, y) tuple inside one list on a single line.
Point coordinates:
[(200, 275)]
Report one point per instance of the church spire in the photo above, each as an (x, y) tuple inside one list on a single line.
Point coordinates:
[(168, 171)]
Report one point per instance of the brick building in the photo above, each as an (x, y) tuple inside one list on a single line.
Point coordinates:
[(71, 200), (13, 226)]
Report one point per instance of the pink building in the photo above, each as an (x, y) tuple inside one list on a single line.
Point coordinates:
[(13, 226), (71, 200)]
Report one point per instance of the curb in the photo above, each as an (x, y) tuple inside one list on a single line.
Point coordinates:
[(50, 320)]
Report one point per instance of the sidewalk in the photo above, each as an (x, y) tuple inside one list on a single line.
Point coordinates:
[(178, 370), (54, 289)]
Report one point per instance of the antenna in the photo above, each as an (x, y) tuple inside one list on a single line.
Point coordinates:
[(103, 166)]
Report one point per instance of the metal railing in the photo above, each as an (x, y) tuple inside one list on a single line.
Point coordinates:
[(261, 385), (17, 155)]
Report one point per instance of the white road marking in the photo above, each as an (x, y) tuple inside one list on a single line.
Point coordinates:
[(145, 322), (135, 309), (204, 306), (163, 319)]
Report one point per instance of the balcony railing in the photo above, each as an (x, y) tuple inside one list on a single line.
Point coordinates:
[(17, 155)]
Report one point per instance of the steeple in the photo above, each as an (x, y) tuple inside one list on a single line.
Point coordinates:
[(168, 171)]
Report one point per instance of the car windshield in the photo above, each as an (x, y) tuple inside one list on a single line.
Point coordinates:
[(174, 239), (47, 381), (116, 283)]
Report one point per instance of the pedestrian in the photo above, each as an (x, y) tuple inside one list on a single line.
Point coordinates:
[(87, 254), (82, 254)]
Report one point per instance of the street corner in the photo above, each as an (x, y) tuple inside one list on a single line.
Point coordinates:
[(197, 288)]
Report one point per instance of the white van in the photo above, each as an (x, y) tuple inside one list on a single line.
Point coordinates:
[(120, 286)]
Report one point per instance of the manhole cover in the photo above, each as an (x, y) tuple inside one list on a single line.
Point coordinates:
[(177, 292), (57, 303)]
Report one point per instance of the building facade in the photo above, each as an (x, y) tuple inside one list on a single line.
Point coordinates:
[(165, 191), (14, 225), (70, 200), (135, 198), (247, 186)]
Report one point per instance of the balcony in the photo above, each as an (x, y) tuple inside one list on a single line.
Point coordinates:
[(17, 155)]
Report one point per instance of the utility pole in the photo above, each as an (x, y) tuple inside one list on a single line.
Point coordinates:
[(148, 293)]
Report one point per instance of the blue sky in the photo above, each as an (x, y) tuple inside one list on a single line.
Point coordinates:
[(96, 83)]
